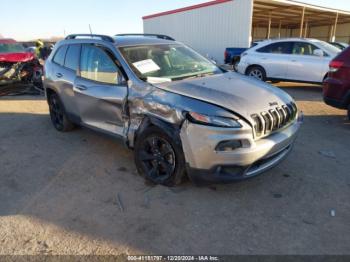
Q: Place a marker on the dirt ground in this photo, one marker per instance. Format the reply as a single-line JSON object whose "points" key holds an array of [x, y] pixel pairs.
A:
{"points": [[79, 193]]}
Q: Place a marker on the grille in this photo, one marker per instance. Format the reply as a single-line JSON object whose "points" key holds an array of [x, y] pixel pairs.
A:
{"points": [[276, 118]]}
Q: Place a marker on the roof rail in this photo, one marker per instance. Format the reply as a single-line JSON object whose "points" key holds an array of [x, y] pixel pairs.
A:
{"points": [[102, 37], [165, 37]]}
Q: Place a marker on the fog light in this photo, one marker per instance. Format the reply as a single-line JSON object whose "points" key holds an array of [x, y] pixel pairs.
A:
{"points": [[229, 145]]}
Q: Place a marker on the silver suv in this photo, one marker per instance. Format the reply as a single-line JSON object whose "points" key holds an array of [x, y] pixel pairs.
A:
{"points": [[178, 111]]}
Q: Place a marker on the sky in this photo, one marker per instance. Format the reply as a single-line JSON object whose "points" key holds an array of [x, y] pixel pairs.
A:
{"points": [[28, 20]]}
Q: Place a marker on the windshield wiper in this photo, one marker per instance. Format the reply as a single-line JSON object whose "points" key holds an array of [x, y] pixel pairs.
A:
{"points": [[198, 76]]}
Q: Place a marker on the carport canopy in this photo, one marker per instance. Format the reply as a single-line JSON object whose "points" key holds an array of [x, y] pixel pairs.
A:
{"points": [[294, 15]]}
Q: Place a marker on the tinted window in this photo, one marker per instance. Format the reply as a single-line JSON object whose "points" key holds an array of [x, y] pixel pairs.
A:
{"points": [[97, 65], [72, 57], [60, 54], [276, 48], [302, 48]]}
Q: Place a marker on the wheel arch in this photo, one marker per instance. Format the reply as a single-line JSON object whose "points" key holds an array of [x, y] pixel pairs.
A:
{"points": [[172, 130], [253, 65]]}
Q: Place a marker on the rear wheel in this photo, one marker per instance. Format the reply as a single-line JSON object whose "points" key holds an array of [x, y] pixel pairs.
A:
{"points": [[159, 158], [257, 72], [57, 114]]}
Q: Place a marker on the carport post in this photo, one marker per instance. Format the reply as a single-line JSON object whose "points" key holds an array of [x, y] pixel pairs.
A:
{"points": [[269, 29], [302, 23], [279, 29], [306, 28], [335, 28]]}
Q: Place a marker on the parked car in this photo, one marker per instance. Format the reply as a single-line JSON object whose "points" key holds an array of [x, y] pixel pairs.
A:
{"points": [[340, 45], [336, 87], [293, 59], [233, 54], [17, 67], [177, 110]]}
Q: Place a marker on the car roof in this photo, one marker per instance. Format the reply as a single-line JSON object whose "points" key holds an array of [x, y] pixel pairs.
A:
{"points": [[118, 40], [140, 40], [276, 40]]}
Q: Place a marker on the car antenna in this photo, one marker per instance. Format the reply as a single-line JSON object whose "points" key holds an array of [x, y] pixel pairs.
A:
{"points": [[90, 29]]}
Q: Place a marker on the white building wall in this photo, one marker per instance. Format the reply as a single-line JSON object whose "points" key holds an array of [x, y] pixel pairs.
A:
{"points": [[208, 30]]}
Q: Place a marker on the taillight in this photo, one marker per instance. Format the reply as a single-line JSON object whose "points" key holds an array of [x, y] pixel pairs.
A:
{"points": [[334, 66], [226, 54]]}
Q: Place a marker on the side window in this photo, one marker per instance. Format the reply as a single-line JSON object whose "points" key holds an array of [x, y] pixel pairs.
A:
{"points": [[276, 48], [72, 57], [303, 48], [60, 55], [98, 66]]}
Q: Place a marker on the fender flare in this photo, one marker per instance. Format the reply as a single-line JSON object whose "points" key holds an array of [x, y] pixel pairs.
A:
{"points": [[172, 130]]}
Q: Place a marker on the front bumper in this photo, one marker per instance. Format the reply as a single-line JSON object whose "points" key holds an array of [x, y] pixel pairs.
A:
{"points": [[204, 163]]}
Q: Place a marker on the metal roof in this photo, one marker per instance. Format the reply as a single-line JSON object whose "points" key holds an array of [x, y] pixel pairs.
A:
{"points": [[288, 13]]}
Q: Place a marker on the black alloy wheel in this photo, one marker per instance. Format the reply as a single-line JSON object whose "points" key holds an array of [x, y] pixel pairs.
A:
{"points": [[159, 158]]}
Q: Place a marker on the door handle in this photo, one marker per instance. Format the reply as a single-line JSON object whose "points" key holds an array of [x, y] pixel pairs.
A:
{"points": [[81, 87], [59, 75]]}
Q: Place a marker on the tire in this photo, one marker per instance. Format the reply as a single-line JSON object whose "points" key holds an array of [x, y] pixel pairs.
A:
{"points": [[58, 116], [235, 61], [257, 72], [159, 158], [349, 112]]}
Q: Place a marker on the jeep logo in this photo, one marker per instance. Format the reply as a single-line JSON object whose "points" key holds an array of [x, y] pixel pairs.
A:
{"points": [[273, 104]]}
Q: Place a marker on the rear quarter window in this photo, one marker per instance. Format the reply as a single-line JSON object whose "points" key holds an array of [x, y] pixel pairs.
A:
{"points": [[72, 57], [60, 55]]}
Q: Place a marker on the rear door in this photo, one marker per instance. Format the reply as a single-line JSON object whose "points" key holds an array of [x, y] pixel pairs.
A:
{"points": [[304, 65], [101, 90], [63, 72], [274, 59]]}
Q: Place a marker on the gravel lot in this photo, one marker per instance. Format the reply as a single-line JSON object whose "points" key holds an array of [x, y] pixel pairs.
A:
{"points": [[79, 193]]}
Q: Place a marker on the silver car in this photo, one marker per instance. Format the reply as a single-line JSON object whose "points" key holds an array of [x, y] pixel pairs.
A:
{"points": [[289, 59], [179, 112]]}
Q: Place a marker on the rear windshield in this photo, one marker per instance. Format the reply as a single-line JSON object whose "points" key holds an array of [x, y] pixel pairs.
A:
{"points": [[330, 49], [11, 48]]}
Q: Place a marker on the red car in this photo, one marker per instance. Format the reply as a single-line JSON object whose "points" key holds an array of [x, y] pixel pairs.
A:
{"points": [[336, 87], [17, 67]]}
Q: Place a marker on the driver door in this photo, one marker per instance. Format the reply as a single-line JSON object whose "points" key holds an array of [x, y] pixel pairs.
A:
{"points": [[100, 90]]}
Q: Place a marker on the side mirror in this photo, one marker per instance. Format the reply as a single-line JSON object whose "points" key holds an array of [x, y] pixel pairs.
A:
{"points": [[318, 52]]}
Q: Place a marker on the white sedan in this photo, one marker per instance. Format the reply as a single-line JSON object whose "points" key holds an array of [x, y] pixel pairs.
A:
{"points": [[292, 59]]}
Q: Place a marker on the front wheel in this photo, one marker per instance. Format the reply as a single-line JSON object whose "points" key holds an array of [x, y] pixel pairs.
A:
{"points": [[159, 158], [257, 72]]}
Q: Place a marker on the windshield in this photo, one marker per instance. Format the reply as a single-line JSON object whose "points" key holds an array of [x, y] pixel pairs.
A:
{"points": [[330, 49], [11, 48], [166, 63]]}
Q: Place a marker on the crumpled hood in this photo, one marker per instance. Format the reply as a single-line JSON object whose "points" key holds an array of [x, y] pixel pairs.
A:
{"points": [[240, 94], [16, 57]]}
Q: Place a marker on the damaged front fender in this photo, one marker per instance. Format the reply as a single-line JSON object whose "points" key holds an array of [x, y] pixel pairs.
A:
{"points": [[166, 110]]}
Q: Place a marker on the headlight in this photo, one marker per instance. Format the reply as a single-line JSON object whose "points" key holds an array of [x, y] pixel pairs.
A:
{"points": [[213, 120]]}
